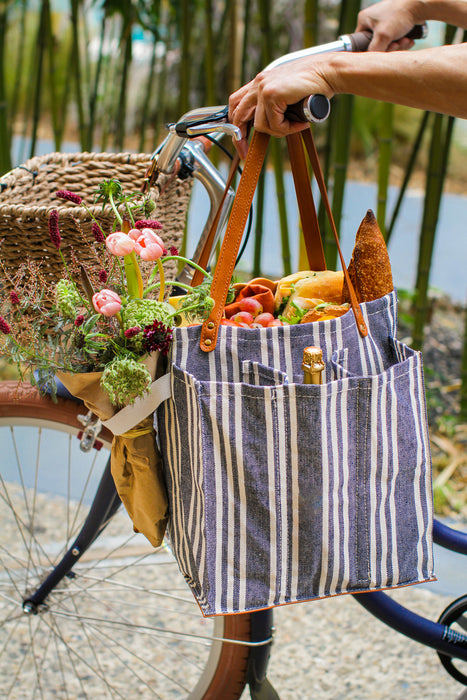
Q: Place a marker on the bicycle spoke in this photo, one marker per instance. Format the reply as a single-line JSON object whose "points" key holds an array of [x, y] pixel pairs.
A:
{"points": [[119, 606], [122, 623]]}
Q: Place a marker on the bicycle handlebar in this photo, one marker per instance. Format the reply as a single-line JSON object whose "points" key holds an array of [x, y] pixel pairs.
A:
{"points": [[183, 141]]}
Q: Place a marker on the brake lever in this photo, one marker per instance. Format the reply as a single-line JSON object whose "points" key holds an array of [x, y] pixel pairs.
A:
{"points": [[205, 128]]}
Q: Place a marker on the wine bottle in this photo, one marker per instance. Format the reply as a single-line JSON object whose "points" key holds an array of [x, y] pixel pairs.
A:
{"points": [[312, 365]]}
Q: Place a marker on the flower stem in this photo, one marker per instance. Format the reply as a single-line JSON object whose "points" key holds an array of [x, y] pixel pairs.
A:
{"points": [[134, 279], [182, 259], [115, 210], [168, 283], [160, 268]]}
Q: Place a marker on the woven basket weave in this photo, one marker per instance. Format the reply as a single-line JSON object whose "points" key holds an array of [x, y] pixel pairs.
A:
{"points": [[27, 196]]}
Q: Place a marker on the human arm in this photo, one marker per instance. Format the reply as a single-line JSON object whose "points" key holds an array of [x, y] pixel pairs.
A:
{"points": [[433, 79]]}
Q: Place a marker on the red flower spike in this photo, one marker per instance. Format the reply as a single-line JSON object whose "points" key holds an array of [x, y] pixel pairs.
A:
{"points": [[14, 298], [79, 320], [4, 327], [69, 196], [103, 276], [97, 233], [131, 332], [173, 250], [148, 223], [54, 230]]}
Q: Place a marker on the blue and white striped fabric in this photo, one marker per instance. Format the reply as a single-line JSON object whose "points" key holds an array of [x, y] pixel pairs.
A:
{"points": [[281, 492]]}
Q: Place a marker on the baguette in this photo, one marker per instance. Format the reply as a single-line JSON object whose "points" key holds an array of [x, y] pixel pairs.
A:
{"points": [[369, 268]]}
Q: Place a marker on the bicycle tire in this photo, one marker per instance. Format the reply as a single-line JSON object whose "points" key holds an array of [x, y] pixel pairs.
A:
{"points": [[121, 585]]}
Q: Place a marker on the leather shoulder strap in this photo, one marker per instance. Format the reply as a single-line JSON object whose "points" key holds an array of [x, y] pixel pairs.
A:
{"points": [[233, 237], [306, 205], [315, 164]]}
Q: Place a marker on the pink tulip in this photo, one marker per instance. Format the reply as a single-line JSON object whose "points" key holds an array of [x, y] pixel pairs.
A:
{"points": [[148, 244], [106, 302], [119, 243]]}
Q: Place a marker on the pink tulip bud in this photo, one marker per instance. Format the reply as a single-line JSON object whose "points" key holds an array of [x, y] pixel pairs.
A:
{"points": [[119, 243], [106, 302], [148, 244]]}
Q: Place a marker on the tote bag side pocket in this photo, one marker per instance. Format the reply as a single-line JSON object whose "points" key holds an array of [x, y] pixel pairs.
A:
{"points": [[399, 486], [178, 423]]}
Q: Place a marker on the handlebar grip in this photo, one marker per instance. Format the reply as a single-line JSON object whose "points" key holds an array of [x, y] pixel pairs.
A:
{"points": [[314, 108], [361, 40]]}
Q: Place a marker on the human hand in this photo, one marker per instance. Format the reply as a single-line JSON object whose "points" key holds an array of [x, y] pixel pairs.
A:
{"points": [[264, 100], [390, 21]]}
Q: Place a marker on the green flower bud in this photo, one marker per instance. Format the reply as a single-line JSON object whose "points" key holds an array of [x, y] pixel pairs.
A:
{"points": [[67, 298], [124, 380]]}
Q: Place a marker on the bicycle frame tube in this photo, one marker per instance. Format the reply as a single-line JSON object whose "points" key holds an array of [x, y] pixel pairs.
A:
{"points": [[408, 623], [214, 184], [451, 539]]}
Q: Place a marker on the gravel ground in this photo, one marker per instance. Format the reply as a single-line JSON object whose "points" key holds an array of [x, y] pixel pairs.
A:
{"points": [[336, 650]]}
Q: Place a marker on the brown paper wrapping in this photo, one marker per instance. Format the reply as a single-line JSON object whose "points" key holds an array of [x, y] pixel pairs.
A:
{"points": [[135, 461]]}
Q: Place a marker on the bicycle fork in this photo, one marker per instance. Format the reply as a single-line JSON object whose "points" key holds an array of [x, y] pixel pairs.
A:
{"points": [[105, 504]]}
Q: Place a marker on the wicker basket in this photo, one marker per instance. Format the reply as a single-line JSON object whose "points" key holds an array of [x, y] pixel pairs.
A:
{"points": [[27, 195]]}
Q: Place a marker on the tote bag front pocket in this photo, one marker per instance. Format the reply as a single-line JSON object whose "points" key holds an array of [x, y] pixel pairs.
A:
{"points": [[282, 492]]}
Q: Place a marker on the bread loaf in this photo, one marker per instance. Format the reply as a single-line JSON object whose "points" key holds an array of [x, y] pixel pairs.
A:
{"points": [[323, 312], [323, 284], [369, 268]]}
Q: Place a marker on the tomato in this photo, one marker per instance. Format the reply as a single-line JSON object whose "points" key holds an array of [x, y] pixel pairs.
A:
{"points": [[264, 319], [243, 317], [251, 305]]}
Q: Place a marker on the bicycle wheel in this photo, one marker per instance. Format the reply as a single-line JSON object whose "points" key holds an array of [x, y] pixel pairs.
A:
{"points": [[122, 623]]}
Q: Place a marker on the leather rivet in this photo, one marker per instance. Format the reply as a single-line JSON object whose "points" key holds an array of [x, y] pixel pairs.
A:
{"points": [[211, 325], [208, 341]]}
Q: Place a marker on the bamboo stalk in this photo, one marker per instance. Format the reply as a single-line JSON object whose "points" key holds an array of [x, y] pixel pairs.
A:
{"points": [[93, 97], [57, 131], [277, 153], [185, 63], [341, 131], [38, 72], [126, 42], [161, 92], [276, 149], [408, 172], [247, 14], [436, 172], [18, 70], [234, 47], [209, 55], [110, 86], [259, 223], [83, 131], [386, 124], [5, 141], [342, 136], [147, 96], [437, 166], [310, 38]]}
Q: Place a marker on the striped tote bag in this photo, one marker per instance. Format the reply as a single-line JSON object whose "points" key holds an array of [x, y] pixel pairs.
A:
{"points": [[282, 492]]}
